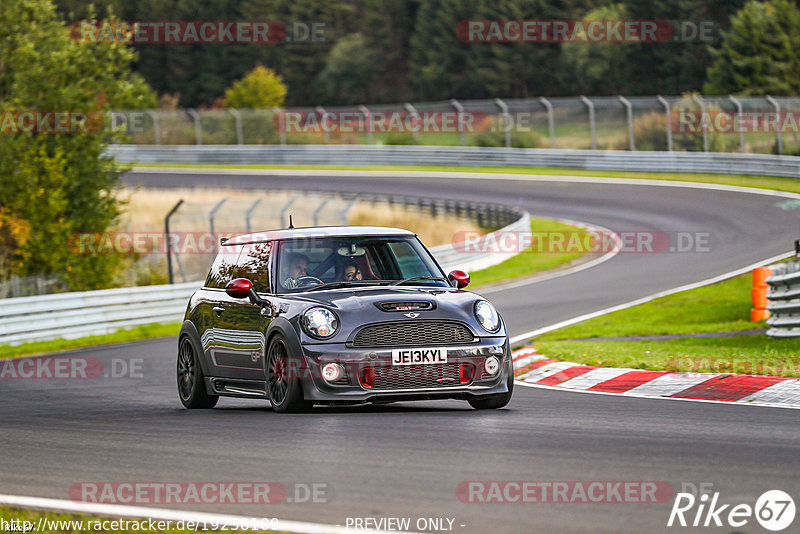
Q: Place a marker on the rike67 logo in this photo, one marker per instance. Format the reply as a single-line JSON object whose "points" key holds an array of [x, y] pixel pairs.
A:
{"points": [[774, 510]]}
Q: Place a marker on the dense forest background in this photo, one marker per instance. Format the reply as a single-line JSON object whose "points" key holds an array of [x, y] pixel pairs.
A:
{"points": [[378, 51]]}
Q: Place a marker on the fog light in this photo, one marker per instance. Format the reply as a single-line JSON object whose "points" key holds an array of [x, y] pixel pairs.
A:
{"points": [[367, 377], [492, 365], [331, 372]]}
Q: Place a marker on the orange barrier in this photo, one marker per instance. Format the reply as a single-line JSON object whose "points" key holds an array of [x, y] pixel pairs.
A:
{"points": [[759, 311]]}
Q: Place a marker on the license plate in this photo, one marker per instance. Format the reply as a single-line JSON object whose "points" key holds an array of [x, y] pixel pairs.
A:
{"points": [[419, 356]]}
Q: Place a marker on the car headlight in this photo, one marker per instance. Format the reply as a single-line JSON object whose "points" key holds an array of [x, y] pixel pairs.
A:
{"points": [[319, 322], [487, 316]]}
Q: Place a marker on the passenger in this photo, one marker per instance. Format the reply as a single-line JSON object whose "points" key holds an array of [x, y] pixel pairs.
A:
{"points": [[351, 272]]}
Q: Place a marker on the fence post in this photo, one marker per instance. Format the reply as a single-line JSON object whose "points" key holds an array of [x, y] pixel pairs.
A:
{"points": [[506, 120], [239, 132], [666, 111], [365, 111], [459, 109], [198, 132], [211, 221], [250, 212], [413, 111], [156, 126], [778, 128], [325, 132], [702, 103], [740, 111], [551, 120], [281, 124], [629, 110], [169, 243], [346, 211], [590, 105], [319, 210]]}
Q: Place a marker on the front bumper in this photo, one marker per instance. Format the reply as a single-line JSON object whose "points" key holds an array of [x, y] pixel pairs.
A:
{"points": [[403, 382]]}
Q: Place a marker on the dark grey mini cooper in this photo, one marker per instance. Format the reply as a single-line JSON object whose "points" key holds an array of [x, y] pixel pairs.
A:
{"points": [[337, 315]]}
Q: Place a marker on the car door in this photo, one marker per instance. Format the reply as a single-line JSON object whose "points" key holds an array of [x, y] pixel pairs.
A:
{"points": [[239, 325]]}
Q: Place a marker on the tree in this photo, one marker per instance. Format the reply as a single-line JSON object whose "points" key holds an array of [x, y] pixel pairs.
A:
{"points": [[348, 72], [261, 88], [761, 52], [55, 186]]}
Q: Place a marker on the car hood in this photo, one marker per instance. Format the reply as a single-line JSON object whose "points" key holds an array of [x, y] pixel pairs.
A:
{"points": [[358, 306]]}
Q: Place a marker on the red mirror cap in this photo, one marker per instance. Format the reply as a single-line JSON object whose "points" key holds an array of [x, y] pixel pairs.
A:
{"points": [[239, 288], [460, 277]]}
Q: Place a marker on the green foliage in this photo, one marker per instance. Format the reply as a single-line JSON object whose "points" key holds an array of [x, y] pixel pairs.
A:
{"points": [[348, 73], [761, 53], [57, 185], [399, 138], [519, 139], [261, 88]]}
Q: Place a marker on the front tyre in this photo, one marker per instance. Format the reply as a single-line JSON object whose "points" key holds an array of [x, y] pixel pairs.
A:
{"points": [[497, 401], [284, 389], [191, 382]]}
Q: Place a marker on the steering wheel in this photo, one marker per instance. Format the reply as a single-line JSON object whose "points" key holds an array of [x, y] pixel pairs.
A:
{"points": [[306, 281]]}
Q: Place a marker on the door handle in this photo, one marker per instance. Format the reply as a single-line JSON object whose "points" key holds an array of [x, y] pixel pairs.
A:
{"points": [[218, 309]]}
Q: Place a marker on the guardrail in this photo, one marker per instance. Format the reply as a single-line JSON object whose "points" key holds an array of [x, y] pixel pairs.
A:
{"points": [[77, 314], [784, 300], [618, 160]]}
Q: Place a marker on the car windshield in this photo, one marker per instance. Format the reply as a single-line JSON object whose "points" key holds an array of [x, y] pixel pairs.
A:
{"points": [[309, 263]]}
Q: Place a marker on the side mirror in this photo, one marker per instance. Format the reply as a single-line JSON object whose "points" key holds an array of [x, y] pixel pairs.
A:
{"points": [[458, 279], [239, 288]]}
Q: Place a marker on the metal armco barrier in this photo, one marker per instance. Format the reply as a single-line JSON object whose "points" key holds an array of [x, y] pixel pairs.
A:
{"points": [[467, 156], [86, 313], [784, 300]]}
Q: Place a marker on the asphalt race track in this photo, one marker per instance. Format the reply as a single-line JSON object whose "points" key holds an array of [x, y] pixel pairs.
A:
{"points": [[406, 460]]}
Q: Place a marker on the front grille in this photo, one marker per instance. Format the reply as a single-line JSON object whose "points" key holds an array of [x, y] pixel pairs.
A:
{"points": [[409, 333], [416, 376], [405, 306]]}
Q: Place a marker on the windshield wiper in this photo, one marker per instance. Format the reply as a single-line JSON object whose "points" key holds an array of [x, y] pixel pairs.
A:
{"points": [[401, 282]]}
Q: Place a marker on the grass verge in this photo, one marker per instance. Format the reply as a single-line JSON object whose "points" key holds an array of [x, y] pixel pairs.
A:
{"points": [[74, 523], [137, 333], [721, 307], [764, 182]]}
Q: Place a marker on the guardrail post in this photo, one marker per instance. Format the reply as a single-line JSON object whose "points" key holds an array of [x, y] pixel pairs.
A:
{"points": [[368, 116], [325, 132], [459, 109], [285, 210], [281, 124], [629, 111], [198, 132], [740, 111], [666, 114], [506, 120], [169, 241], [249, 212], [551, 120], [590, 105], [211, 221], [702, 103], [778, 129], [238, 118], [415, 118], [156, 126]]}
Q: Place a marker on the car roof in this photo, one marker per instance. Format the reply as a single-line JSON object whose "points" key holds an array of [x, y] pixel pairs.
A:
{"points": [[318, 231]]}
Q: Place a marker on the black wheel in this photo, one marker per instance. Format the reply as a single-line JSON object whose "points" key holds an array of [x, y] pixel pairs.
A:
{"points": [[284, 388], [496, 401], [191, 382]]}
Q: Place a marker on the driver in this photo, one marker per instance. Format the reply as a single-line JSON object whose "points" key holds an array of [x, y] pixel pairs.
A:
{"points": [[296, 266]]}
